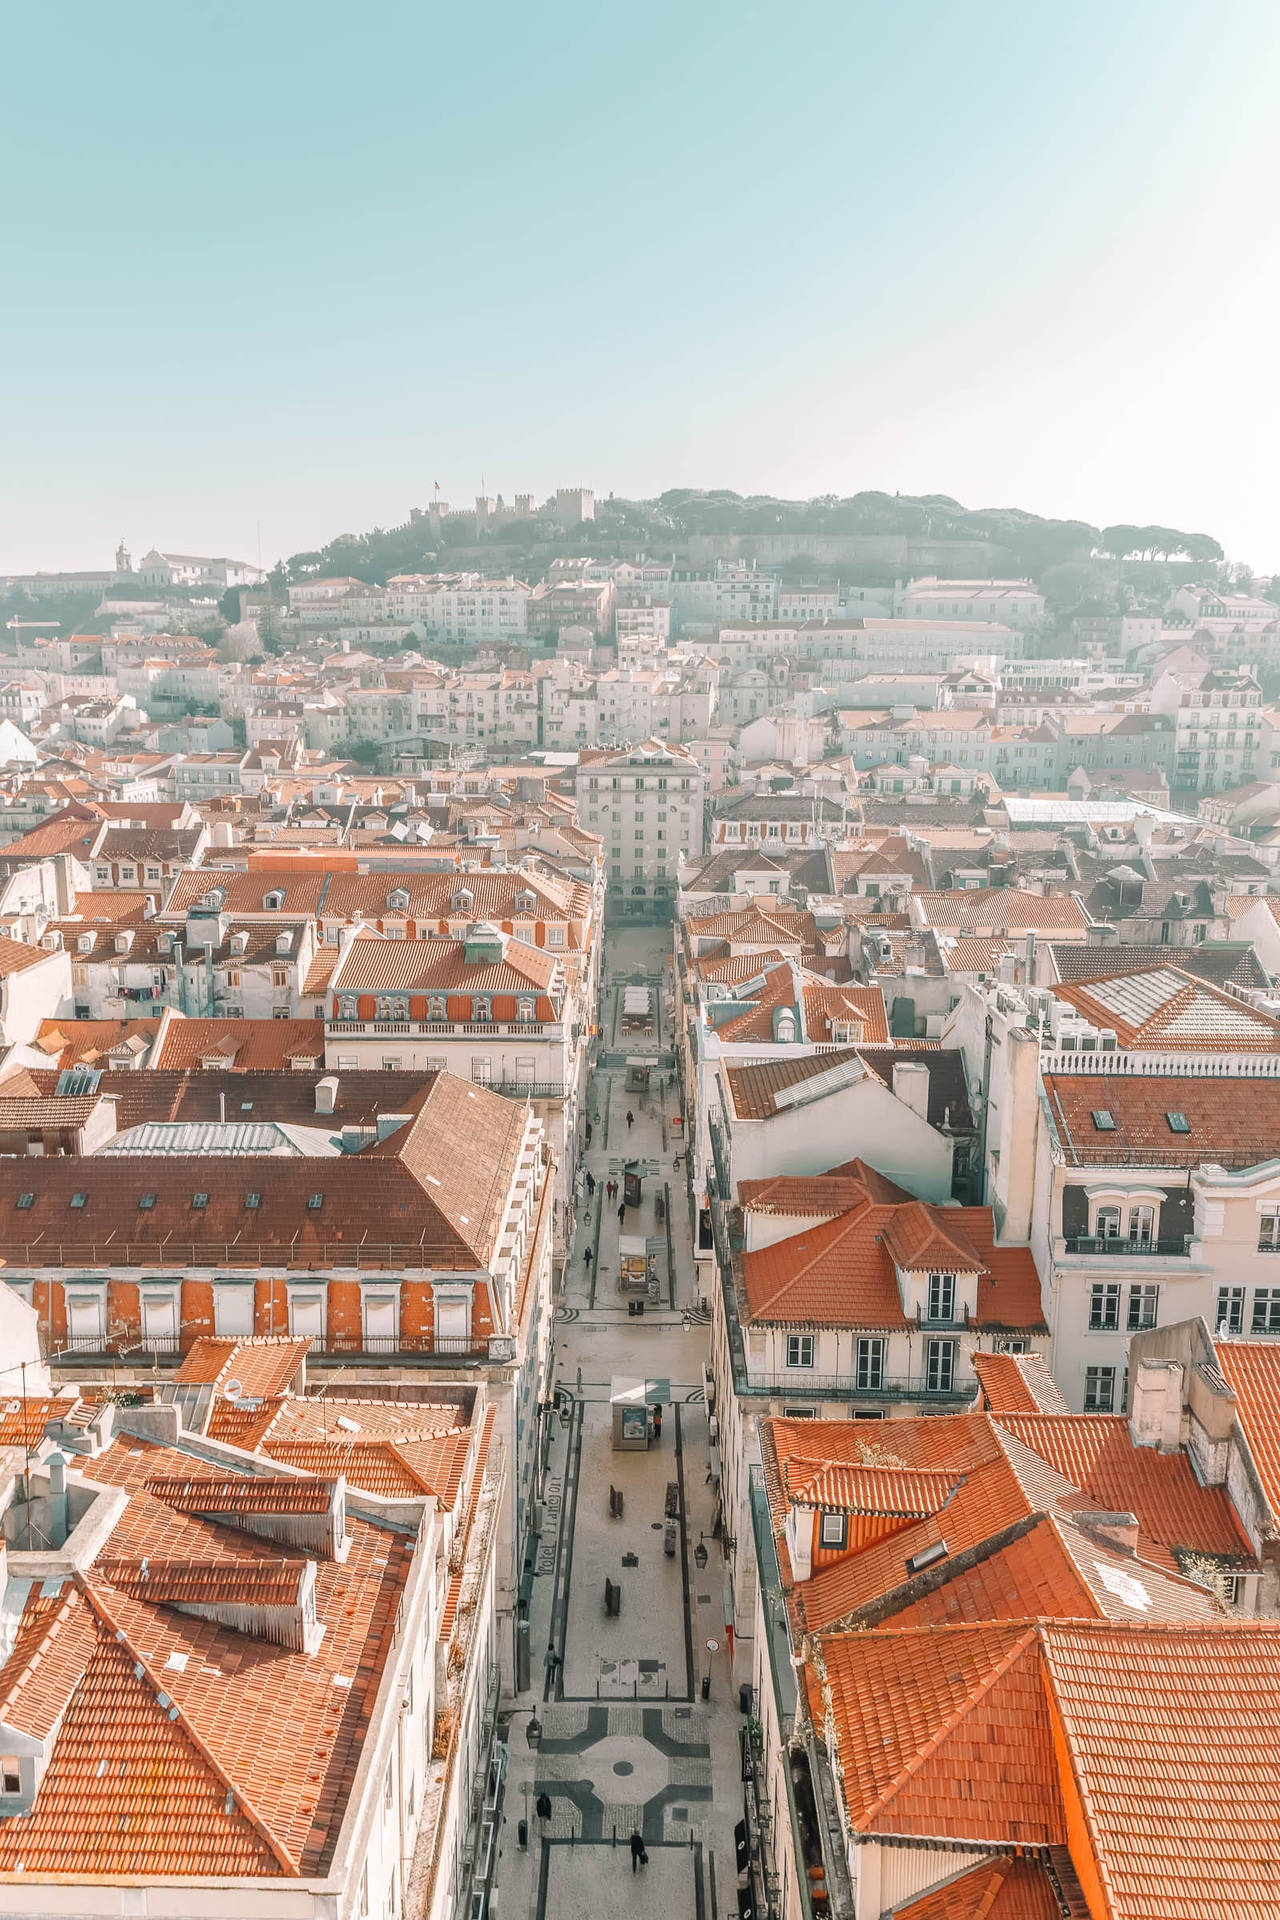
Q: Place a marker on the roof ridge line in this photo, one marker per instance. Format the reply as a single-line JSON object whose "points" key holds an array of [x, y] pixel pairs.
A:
{"points": [[1027, 1637], [99, 1607], [1062, 1724]]}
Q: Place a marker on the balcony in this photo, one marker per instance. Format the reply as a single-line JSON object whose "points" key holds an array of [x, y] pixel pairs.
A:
{"points": [[948, 1323], [801, 1383], [404, 1347], [1122, 1247]]}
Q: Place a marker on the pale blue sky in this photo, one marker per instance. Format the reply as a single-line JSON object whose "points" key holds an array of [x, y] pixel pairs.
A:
{"points": [[288, 264]]}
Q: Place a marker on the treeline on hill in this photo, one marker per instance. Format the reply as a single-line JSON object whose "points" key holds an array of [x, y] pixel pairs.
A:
{"points": [[1029, 544]]}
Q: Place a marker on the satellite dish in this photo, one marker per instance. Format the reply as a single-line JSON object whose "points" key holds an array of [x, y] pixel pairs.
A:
{"points": [[232, 1390]]}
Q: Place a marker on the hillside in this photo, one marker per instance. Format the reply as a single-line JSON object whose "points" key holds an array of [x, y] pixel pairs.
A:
{"points": [[865, 536]]}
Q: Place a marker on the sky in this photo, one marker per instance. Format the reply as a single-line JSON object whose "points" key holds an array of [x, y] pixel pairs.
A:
{"points": [[272, 270]]}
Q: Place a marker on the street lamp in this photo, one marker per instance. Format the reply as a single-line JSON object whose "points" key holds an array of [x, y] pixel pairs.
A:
{"points": [[713, 1647]]}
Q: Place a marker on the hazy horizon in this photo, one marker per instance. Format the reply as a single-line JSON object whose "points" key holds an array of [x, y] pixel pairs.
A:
{"points": [[285, 268]]}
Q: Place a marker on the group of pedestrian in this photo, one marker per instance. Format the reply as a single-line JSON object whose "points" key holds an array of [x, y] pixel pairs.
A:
{"points": [[611, 1191]]}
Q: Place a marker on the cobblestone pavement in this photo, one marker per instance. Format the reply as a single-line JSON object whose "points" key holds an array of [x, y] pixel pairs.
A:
{"points": [[628, 1744]]}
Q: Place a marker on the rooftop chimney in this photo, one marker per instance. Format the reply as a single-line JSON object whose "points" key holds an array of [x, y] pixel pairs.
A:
{"points": [[911, 1086], [1118, 1530]]}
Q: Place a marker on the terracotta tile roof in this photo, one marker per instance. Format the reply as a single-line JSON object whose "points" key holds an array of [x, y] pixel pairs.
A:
{"points": [[413, 1190], [1252, 1371], [1172, 1737], [1004, 1888], [999, 910], [749, 926], [904, 1492], [161, 1765], [244, 893], [383, 965], [240, 1493], [1218, 961], [841, 1272], [70, 1041], [1054, 1569], [825, 1004], [248, 1046], [16, 955], [920, 1237], [1224, 1124], [819, 1194], [972, 953], [944, 1732], [263, 1366], [834, 1274], [753, 1087], [1165, 1007], [1095, 1451], [1017, 1383]]}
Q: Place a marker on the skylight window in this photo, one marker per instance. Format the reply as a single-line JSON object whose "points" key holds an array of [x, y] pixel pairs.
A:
{"points": [[79, 1199], [252, 1200], [926, 1556], [1178, 1123], [1104, 1121], [26, 1200], [199, 1201], [145, 1202], [314, 1202]]}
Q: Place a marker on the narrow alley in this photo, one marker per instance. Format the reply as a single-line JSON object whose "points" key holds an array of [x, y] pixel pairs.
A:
{"points": [[615, 1731]]}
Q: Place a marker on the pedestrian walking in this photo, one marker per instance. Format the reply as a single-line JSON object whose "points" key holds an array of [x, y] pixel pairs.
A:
{"points": [[631, 1119], [586, 1258], [542, 1806], [639, 1858], [622, 1213], [588, 1133], [591, 1183], [612, 1190]]}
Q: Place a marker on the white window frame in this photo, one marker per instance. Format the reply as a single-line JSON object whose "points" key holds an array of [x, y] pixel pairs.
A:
{"points": [[801, 1350]]}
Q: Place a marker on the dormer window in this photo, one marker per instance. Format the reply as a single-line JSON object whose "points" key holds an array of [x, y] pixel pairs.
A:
{"points": [[348, 1006], [525, 1008], [437, 1006], [273, 901], [525, 902], [482, 1007], [833, 1530], [463, 900], [398, 900], [391, 1006], [85, 943]]}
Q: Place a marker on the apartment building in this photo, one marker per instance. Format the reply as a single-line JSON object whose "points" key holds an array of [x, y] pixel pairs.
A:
{"points": [[336, 1208], [1009, 603], [1217, 719], [722, 595], [943, 1621], [646, 804], [489, 1007]]}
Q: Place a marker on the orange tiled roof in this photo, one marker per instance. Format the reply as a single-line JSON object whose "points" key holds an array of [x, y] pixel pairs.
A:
{"points": [[1096, 1453], [1252, 1370], [1054, 1569], [263, 1366], [1172, 1735], [161, 1765], [959, 1741], [1165, 1007], [1004, 1888], [1017, 1383]]}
